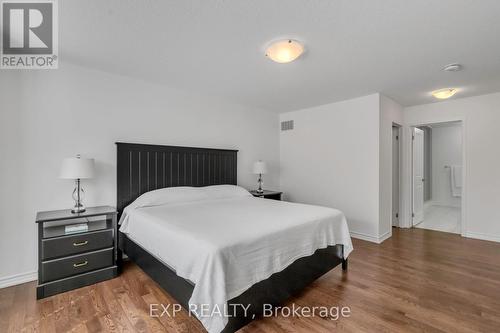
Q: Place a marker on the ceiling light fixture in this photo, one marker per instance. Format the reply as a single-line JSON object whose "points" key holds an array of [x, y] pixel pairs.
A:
{"points": [[284, 51], [453, 68], [444, 93]]}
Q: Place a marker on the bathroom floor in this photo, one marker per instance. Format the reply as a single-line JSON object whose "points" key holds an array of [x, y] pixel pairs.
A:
{"points": [[441, 218]]}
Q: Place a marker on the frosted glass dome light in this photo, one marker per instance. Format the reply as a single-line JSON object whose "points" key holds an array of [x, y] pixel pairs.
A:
{"points": [[284, 51]]}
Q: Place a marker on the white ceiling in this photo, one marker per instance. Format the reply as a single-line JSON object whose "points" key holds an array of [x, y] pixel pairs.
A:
{"points": [[354, 47]]}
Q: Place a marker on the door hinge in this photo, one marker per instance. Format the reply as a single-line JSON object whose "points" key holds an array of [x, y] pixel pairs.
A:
{"points": [[413, 137], [397, 215], [412, 214], [397, 137]]}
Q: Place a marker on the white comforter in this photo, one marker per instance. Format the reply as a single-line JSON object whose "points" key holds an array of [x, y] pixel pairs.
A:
{"points": [[224, 246]]}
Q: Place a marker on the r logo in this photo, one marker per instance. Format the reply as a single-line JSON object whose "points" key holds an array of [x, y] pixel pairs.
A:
{"points": [[29, 34], [27, 27]]}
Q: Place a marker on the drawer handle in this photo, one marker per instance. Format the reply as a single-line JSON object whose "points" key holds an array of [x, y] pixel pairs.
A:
{"points": [[80, 264], [81, 243]]}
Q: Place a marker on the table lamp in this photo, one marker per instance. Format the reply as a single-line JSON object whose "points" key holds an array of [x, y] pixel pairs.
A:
{"points": [[260, 168], [77, 168]]}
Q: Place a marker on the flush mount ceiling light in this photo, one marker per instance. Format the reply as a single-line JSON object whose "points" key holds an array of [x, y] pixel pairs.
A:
{"points": [[284, 51], [444, 93], [453, 67]]}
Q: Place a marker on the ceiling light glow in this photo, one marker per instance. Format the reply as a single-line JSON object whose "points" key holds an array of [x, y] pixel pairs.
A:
{"points": [[444, 93], [284, 51]]}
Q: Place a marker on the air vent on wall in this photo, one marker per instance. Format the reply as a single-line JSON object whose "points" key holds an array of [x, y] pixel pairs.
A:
{"points": [[287, 125]]}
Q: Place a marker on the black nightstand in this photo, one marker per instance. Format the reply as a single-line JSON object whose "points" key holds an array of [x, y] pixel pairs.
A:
{"points": [[72, 260], [275, 195]]}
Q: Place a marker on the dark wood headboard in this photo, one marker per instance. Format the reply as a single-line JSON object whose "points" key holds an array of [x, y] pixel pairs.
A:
{"points": [[142, 168]]}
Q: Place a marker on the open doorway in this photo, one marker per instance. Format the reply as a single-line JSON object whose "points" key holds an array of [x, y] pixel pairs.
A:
{"points": [[437, 160]]}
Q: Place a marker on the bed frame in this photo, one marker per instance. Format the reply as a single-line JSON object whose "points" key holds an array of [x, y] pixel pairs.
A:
{"points": [[142, 168]]}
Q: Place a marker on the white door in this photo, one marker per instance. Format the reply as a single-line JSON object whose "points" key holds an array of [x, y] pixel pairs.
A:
{"points": [[418, 176], [395, 176]]}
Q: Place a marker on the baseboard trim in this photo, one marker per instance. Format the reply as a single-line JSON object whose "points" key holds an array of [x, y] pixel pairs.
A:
{"points": [[370, 238], [486, 237], [9, 281], [385, 236], [443, 204]]}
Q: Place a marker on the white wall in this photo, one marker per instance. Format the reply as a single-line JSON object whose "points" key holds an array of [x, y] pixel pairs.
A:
{"points": [[48, 115], [331, 158], [15, 235], [390, 113], [481, 136], [340, 155], [446, 151]]}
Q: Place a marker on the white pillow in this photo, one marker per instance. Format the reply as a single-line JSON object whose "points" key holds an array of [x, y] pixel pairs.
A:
{"points": [[225, 191], [169, 195]]}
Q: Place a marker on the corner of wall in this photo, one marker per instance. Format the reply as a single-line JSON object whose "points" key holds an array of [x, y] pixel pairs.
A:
{"points": [[390, 112]]}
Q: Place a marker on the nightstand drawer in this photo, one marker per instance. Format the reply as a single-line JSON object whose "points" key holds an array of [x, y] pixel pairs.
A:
{"points": [[64, 267], [68, 245]]}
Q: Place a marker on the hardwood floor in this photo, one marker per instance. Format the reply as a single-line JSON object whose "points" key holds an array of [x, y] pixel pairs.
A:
{"points": [[419, 280]]}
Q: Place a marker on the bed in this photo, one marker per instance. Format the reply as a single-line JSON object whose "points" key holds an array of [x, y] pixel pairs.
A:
{"points": [[209, 242]]}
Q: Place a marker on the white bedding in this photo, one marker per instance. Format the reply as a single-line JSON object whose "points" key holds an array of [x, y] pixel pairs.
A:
{"points": [[226, 245]]}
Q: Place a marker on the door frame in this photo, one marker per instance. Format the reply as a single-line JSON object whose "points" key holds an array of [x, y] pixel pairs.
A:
{"points": [[400, 174], [407, 220], [414, 215]]}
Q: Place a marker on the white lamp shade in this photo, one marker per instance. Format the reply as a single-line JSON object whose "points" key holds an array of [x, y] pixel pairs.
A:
{"points": [[77, 168], [259, 167]]}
